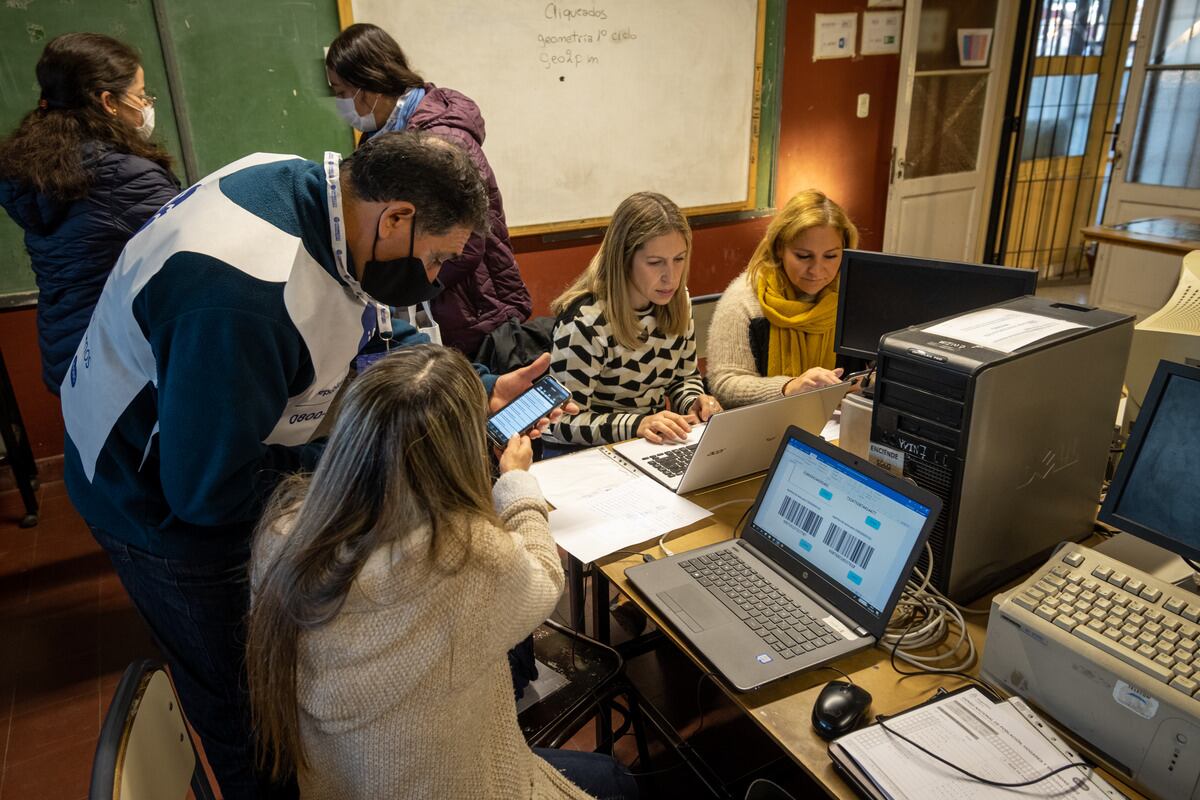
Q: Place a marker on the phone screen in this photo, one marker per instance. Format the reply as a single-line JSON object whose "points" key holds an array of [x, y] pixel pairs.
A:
{"points": [[519, 415]]}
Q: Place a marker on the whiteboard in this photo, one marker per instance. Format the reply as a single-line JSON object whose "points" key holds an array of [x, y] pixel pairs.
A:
{"points": [[587, 102]]}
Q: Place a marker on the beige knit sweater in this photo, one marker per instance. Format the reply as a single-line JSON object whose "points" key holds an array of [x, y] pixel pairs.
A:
{"points": [[731, 371], [407, 692]]}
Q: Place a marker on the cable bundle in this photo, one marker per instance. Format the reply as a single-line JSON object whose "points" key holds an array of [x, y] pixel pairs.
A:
{"points": [[925, 618]]}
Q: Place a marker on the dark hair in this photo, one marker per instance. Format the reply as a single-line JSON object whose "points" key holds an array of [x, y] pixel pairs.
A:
{"points": [[367, 57], [407, 451], [434, 174], [46, 149]]}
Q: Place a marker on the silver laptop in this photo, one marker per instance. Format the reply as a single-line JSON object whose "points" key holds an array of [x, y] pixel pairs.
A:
{"points": [[818, 571], [732, 443]]}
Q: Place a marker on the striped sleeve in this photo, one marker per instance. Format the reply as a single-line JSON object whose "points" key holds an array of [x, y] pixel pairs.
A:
{"points": [[688, 385], [577, 360]]}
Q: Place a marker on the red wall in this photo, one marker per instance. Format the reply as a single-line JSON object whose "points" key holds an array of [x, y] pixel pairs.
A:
{"points": [[821, 144]]}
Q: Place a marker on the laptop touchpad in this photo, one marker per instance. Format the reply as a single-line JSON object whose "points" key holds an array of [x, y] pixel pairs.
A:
{"points": [[697, 608]]}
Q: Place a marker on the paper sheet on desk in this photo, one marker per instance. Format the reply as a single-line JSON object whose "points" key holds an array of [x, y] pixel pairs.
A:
{"points": [[617, 517], [566, 479], [999, 741], [1001, 329]]}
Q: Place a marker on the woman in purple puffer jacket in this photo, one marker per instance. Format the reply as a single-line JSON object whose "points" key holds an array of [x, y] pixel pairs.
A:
{"points": [[377, 92]]}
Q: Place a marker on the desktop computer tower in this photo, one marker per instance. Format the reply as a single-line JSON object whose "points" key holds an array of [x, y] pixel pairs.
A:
{"points": [[1014, 443]]}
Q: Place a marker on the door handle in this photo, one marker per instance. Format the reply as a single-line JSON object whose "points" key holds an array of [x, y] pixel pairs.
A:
{"points": [[897, 167]]}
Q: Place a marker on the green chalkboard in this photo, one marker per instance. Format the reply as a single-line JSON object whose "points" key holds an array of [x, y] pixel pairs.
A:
{"points": [[252, 77], [232, 78], [25, 27]]}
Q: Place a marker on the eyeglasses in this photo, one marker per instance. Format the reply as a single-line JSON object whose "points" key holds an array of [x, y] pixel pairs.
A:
{"points": [[147, 99]]}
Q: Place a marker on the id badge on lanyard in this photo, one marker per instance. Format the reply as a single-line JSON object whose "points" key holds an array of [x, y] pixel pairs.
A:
{"points": [[337, 236], [433, 331]]}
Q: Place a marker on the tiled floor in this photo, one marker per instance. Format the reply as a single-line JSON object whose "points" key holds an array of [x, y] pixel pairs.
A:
{"points": [[67, 631]]}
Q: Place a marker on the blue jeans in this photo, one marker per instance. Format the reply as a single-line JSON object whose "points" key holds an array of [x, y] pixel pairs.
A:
{"points": [[597, 774], [196, 610]]}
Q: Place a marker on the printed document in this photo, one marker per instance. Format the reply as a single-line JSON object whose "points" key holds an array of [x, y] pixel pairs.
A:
{"points": [[1001, 329]]}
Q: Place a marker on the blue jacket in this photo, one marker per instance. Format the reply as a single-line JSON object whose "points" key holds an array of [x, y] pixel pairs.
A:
{"points": [[73, 245], [215, 350]]}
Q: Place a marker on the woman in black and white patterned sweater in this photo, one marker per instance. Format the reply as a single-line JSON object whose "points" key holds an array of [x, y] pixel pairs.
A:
{"points": [[624, 344]]}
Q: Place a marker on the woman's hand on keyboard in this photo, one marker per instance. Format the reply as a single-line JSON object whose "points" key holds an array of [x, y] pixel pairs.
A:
{"points": [[704, 407], [665, 426], [814, 378]]}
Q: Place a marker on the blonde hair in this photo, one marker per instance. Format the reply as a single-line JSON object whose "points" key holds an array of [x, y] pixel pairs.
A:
{"points": [[640, 218], [407, 450], [807, 209]]}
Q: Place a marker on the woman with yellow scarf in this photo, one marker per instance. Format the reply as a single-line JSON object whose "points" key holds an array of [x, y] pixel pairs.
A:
{"points": [[772, 330]]}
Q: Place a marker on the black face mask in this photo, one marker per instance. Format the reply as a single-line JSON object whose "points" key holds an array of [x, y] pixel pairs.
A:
{"points": [[398, 281]]}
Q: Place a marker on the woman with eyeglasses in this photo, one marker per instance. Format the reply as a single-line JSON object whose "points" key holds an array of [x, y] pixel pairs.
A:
{"points": [[376, 92], [80, 175]]}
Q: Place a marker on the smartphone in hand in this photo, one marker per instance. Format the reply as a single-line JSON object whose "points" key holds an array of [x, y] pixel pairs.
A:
{"points": [[522, 414]]}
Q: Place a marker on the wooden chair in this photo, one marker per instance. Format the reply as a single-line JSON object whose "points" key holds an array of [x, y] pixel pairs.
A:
{"points": [[145, 751]]}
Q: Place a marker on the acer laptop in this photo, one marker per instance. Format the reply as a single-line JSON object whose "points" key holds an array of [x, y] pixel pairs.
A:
{"points": [[732, 443], [816, 574]]}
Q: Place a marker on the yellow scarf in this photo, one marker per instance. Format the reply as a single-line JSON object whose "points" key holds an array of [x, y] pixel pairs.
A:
{"points": [[801, 330]]}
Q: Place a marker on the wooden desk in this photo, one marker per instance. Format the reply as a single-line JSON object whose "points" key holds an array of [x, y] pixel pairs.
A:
{"points": [[1174, 234], [783, 709]]}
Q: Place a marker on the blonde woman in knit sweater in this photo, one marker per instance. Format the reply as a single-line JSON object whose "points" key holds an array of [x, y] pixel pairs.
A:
{"points": [[388, 587], [624, 343], [772, 330]]}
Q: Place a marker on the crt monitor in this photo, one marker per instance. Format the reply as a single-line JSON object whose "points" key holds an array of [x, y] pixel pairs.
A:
{"points": [[881, 293], [1155, 494]]}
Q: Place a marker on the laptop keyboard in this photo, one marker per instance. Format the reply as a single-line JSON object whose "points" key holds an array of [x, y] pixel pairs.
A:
{"points": [[673, 463], [782, 624]]}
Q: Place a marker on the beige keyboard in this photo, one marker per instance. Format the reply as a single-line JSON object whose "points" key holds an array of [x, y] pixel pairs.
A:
{"points": [[1154, 628]]}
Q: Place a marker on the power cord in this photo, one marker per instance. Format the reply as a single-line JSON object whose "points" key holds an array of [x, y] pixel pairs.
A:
{"points": [[1008, 785], [645, 557], [662, 540], [926, 618], [924, 671]]}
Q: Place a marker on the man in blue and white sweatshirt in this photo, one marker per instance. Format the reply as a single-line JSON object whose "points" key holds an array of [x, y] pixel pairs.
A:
{"points": [[219, 341]]}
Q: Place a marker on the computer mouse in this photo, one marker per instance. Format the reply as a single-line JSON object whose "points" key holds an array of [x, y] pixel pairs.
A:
{"points": [[839, 709]]}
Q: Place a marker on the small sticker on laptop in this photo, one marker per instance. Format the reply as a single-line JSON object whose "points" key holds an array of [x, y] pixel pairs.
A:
{"points": [[763, 658], [887, 458], [836, 624], [1135, 700]]}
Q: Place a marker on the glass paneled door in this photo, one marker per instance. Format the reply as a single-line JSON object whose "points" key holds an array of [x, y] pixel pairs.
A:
{"points": [[1157, 171], [946, 122]]}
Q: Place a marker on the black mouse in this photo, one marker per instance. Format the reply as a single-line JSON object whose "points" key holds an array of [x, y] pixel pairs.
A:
{"points": [[839, 709]]}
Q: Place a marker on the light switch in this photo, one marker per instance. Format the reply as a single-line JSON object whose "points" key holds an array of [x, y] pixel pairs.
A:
{"points": [[864, 105]]}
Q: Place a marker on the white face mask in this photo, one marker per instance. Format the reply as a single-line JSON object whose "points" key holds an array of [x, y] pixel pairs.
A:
{"points": [[363, 122], [147, 127]]}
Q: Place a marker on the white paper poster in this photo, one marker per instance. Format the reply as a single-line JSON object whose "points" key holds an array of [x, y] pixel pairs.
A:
{"points": [[974, 46], [881, 32], [885, 3], [834, 36]]}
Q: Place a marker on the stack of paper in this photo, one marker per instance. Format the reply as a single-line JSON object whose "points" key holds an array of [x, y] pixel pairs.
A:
{"points": [[602, 504], [1003, 742]]}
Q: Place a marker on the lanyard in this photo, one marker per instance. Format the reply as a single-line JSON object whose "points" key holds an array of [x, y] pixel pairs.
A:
{"points": [[433, 330], [337, 234]]}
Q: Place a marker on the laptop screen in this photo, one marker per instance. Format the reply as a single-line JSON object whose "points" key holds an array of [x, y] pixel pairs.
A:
{"points": [[855, 531]]}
